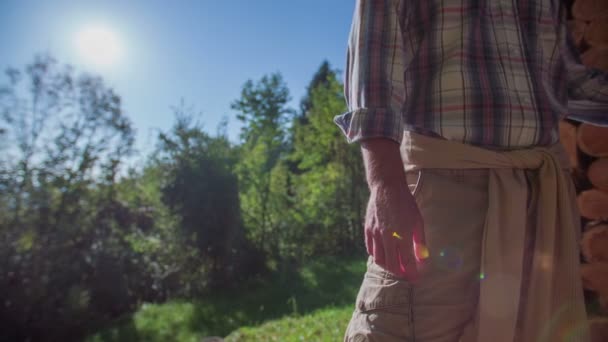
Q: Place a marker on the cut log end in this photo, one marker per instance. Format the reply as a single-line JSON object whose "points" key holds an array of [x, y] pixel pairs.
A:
{"points": [[593, 204], [595, 278], [593, 140], [598, 328], [590, 9], [598, 174], [594, 244]]}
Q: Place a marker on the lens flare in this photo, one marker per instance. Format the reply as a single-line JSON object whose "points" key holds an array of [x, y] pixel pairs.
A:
{"points": [[449, 259], [98, 46], [561, 328]]}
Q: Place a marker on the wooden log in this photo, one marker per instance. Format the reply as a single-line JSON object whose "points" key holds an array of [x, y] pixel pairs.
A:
{"points": [[577, 27], [598, 174], [595, 278], [567, 136], [598, 328], [593, 204], [594, 244], [596, 33], [590, 9], [593, 140], [596, 58]]}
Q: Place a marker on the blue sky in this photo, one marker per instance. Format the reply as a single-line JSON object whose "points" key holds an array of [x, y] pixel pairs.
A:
{"points": [[199, 51]]}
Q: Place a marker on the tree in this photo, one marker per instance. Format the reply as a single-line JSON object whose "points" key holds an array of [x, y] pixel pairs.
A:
{"points": [[64, 137], [329, 183], [321, 77], [263, 111], [199, 186]]}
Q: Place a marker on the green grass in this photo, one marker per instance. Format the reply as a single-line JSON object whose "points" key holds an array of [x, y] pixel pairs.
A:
{"points": [[324, 284], [323, 325]]}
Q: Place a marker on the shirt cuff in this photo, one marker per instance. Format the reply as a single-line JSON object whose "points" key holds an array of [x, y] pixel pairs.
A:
{"points": [[365, 123]]}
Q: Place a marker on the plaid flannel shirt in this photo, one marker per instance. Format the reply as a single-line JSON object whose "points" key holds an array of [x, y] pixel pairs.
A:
{"points": [[494, 73]]}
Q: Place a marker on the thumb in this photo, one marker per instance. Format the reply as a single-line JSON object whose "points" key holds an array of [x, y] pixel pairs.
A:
{"points": [[421, 250], [407, 266]]}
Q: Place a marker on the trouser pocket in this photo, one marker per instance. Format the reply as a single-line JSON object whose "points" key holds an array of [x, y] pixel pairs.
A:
{"points": [[383, 309]]}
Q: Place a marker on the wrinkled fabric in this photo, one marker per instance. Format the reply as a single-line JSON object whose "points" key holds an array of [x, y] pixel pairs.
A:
{"points": [[442, 301], [554, 307], [492, 73]]}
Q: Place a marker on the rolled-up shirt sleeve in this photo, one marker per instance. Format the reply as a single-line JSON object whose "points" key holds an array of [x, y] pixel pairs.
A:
{"points": [[587, 86], [374, 78]]}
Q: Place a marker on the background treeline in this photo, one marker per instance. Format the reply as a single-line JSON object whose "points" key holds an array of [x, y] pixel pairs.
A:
{"points": [[84, 239]]}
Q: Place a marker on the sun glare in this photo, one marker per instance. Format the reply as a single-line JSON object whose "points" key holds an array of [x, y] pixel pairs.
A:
{"points": [[98, 46]]}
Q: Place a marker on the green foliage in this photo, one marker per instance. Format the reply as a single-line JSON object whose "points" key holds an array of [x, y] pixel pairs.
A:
{"points": [[324, 325], [262, 176], [174, 267], [302, 187], [262, 108], [328, 181], [83, 241], [199, 187], [62, 226], [320, 78], [323, 283]]}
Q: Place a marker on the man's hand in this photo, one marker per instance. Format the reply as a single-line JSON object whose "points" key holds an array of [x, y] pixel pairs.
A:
{"points": [[394, 232]]}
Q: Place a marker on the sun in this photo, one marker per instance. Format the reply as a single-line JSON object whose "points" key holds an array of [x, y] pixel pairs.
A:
{"points": [[98, 46]]}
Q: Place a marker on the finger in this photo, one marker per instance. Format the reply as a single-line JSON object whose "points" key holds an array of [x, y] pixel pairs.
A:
{"points": [[407, 265], [418, 231], [369, 242], [405, 257], [392, 244], [419, 246], [421, 252], [392, 259], [379, 257]]}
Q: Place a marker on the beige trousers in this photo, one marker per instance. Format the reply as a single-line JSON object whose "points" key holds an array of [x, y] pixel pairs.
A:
{"points": [[442, 304], [453, 204]]}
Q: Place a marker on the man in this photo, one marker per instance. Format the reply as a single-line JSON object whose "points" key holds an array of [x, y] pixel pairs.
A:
{"points": [[471, 224]]}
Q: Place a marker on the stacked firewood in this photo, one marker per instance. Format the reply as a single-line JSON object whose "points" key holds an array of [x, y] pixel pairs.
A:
{"points": [[587, 147], [590, 31]]}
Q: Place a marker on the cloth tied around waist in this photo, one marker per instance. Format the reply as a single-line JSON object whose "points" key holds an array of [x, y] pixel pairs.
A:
{"points": [[554, 309]]}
